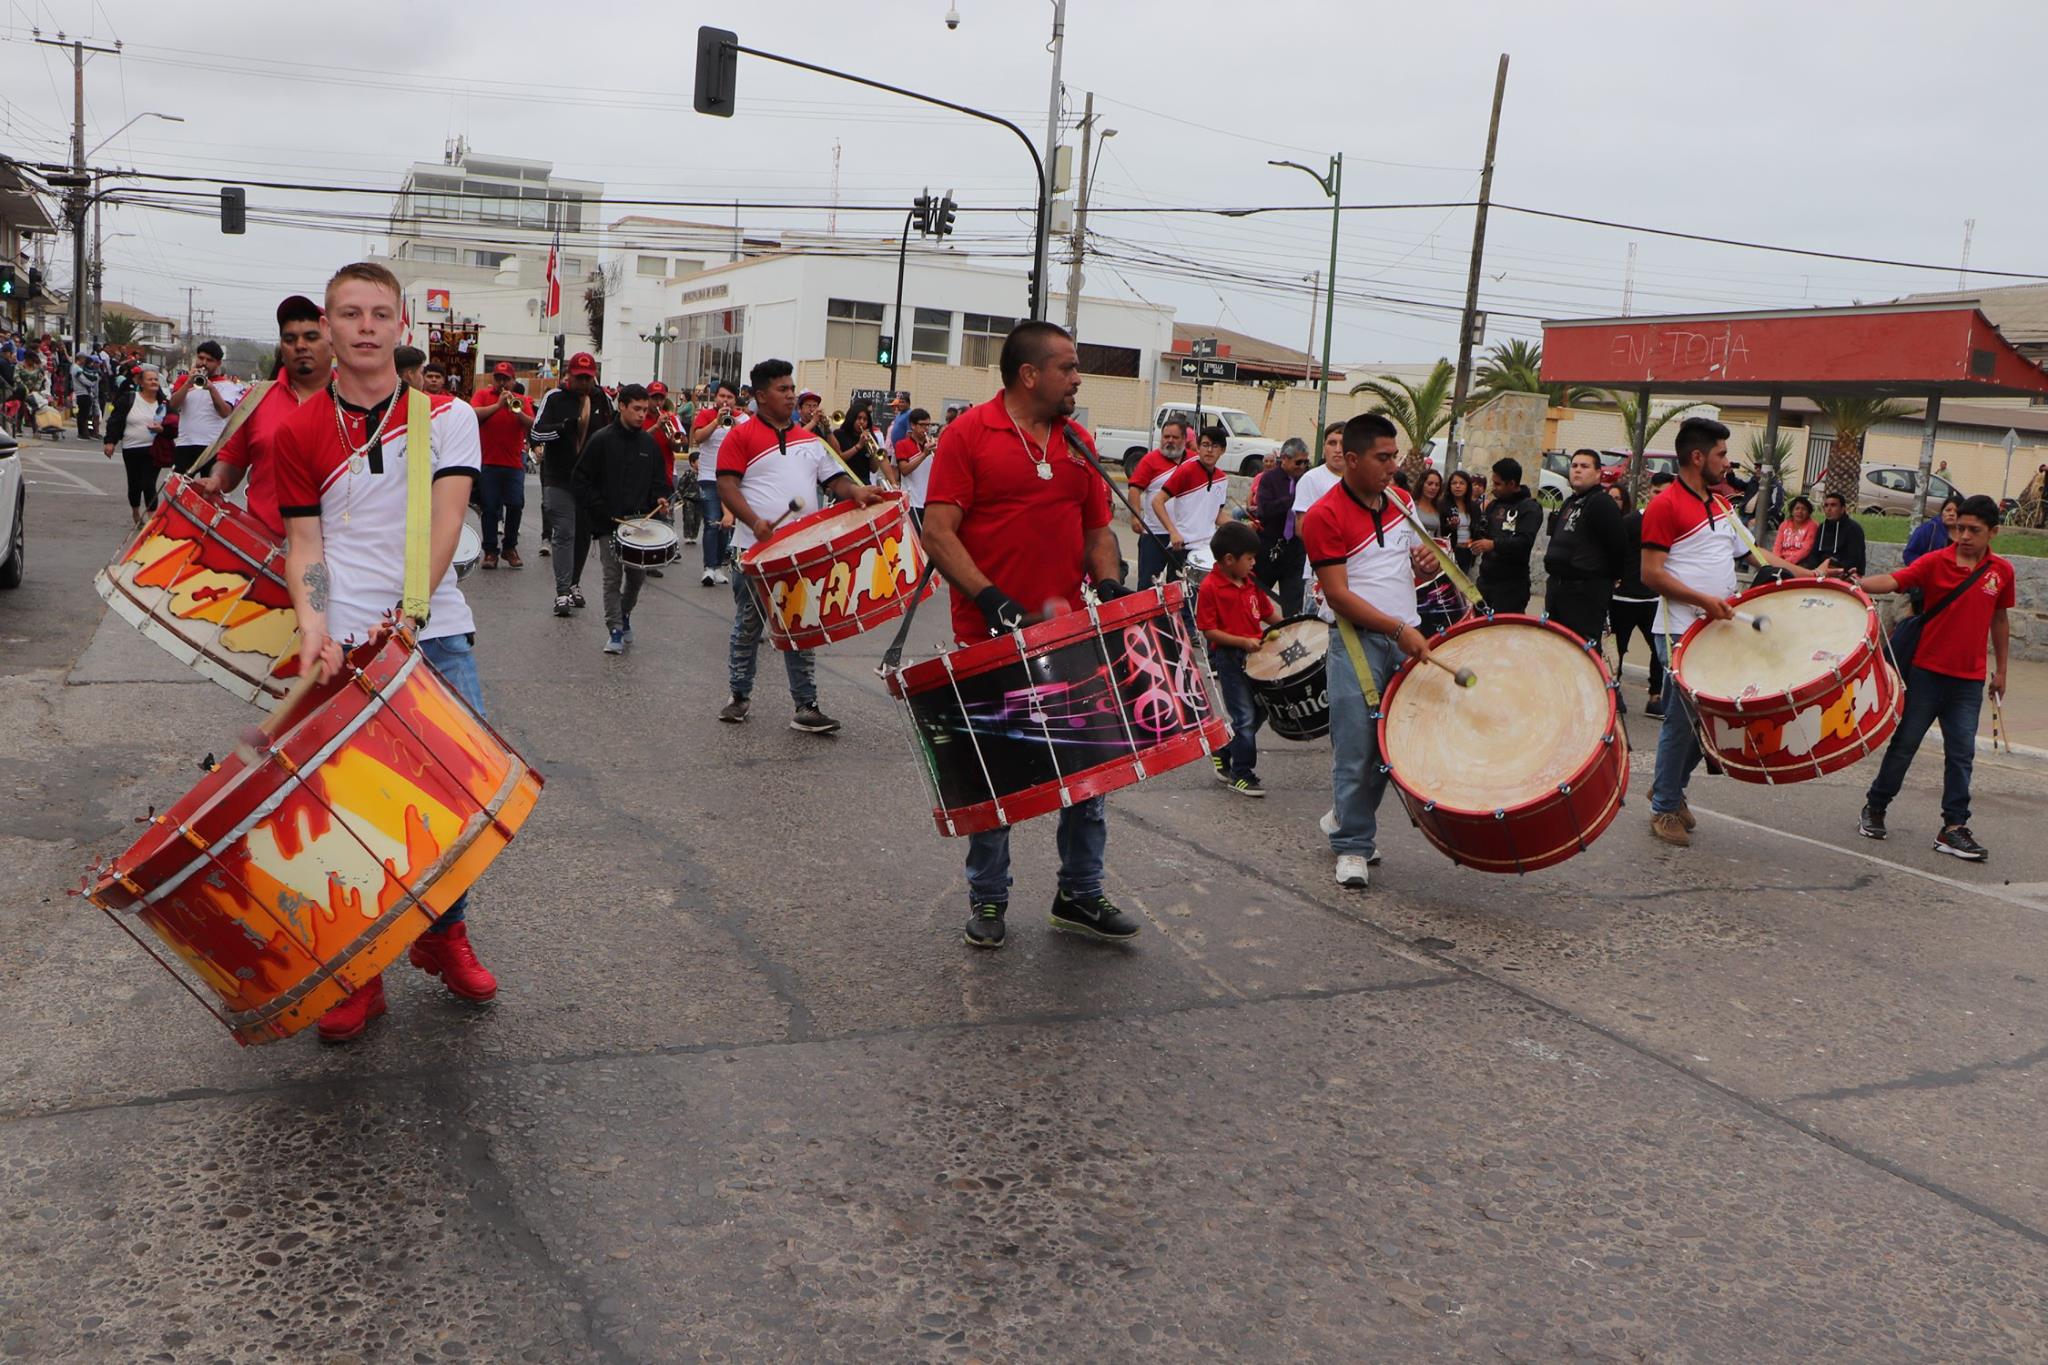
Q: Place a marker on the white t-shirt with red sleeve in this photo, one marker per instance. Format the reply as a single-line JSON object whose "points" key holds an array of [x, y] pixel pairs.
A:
{"points": [[1146, 478], [1701, 542], [707, 452], [1027, 533], [1373, 545], [776, 467], [1194, 496], [361, 504]]}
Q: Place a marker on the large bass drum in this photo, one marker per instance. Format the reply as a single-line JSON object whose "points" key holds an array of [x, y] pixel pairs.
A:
{"points": [[1061, 711]]}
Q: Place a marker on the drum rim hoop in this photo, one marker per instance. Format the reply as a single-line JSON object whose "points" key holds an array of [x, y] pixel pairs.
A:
{"points": [[1069, 627], [752, 561], [1856, 663]]}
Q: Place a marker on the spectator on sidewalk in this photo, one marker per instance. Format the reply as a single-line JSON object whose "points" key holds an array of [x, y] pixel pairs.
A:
{"points": [[1840, 538]]}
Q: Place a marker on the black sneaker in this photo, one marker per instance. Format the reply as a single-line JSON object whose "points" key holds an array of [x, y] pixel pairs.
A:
{"points": [[576, 596], [1096, 916], [1247, 785], [735, 711], [1222, 773], [563, 605], [1871, 826], [656, 573], [1957, 842], [1654, 708], [985, 925], [812, 721]]}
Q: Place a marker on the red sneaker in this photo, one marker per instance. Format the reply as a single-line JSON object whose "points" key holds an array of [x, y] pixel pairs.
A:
{"points": [[449, 956], [350, 1019]]}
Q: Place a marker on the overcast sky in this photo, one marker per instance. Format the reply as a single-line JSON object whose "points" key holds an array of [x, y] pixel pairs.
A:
{"points": [[1868, 128]]}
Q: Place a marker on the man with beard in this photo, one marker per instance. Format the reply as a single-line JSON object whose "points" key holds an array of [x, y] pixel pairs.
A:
{"points": [[305, 361]]}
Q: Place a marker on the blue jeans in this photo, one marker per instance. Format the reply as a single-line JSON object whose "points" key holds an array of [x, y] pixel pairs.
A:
{"points": [[502, 488], [1678, 741], [1241, 755], [1151, 559], [453, 656], [1357, 777], [744, 648], [1932, 697], [1083, 838], [716, 537]]}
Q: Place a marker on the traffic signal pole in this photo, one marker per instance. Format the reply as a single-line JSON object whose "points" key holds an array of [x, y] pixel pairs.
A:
{"points": [[918, 215], [75, 200]]}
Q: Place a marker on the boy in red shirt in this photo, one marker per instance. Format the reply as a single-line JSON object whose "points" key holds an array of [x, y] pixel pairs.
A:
{"points": [[1945, 680], [1231, 613]]}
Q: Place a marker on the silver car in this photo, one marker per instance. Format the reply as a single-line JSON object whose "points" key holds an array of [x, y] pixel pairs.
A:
{"points": [[1895, 489], [13, 514]]}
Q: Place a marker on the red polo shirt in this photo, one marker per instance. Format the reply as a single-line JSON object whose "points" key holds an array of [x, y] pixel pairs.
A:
{"points": [[253, 446], [1025, 532], [503, 439], [1234, 608], [1954, 643]]}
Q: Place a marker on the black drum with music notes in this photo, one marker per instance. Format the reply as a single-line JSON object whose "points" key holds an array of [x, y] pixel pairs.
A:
{"points": [[1063, 710]]}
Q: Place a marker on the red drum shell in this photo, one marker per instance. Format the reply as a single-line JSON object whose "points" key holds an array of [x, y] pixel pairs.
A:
{"points": [[1821, 725], [878, 540], [1535, 833], [1137, 653]]}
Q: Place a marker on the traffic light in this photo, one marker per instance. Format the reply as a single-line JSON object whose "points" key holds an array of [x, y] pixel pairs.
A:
{"points": [[921, 213], [561, 348], [234, 210], [942, 216], [885, 350], [718, 61], [10, 286], [35, 280]]}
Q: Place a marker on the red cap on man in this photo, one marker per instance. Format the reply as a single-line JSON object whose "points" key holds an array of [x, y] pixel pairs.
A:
{"points": [[583, 362], [503, 368], [657, 390]]}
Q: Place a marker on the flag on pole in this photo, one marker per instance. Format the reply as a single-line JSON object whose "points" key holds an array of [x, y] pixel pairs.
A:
{"points": [[551, 305], [405, 318]]}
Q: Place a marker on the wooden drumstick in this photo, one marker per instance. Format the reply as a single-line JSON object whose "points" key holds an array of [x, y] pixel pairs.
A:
{"points": [[1465, 677], [795, 506], [256, 738]]}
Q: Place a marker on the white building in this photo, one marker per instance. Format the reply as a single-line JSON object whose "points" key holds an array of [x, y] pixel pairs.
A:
{"points": [[645, 259], [470, 237], [805, 302]]}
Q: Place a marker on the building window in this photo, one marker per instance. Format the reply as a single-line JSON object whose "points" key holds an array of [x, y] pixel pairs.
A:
{"points": [[931, 335], [572, 267], [1119, 362], [981, 338], [436, 255], [489, 260], [853, 330], [655, 267], [709, 348]]}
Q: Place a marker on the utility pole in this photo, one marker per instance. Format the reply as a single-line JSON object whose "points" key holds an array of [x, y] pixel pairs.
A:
{"points": [[190, 290], [1464, 386], [1041, 248], [1315, 291], [75, 199], [99, 271], [1080, 221]]}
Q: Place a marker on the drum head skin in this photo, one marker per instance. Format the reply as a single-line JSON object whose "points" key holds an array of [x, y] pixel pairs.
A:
{"points": [[815, 534], [646, 533], [1295, 644], [1813, 631], [1539, 709]]}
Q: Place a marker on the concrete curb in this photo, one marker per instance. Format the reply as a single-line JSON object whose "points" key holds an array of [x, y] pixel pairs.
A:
{"points": [[1641, 673]]}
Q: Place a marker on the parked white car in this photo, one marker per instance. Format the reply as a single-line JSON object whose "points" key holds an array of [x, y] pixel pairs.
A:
{"points": [[13, 514], [1245, 454]]}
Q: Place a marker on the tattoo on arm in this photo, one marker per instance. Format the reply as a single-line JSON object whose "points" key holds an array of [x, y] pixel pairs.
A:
{"points": [[315, 579]]}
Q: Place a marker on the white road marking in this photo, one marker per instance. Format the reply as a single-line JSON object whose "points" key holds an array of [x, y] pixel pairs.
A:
{"points": [[47, 466], [2010, 895]]}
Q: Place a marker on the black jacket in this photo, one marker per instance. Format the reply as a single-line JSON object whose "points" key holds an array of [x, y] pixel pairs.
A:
{"points": [[1511, 524], [124, 404], [1629, 583], [1841, 541], [1588, 539], [622, 473], [554, 431]]}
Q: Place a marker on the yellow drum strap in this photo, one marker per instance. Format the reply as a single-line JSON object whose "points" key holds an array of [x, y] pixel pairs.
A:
{"points": [[1466, 588], [1355, 647], [419, 506]]}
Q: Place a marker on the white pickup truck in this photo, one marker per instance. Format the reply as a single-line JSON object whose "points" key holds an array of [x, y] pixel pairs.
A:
{"points": [[1246, 454]]}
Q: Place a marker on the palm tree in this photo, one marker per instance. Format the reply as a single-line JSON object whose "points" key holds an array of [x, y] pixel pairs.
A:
{"points": [[1419, 410], [1517, 367], [117, 329], [1632, 418], [1852, 419]]}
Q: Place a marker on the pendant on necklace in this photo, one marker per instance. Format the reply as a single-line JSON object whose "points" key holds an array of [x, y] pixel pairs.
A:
{"points": [[1044, 470]]}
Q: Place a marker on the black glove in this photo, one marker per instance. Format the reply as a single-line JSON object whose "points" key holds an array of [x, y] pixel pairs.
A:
{"points": [[1109, 589], [997, 608]]}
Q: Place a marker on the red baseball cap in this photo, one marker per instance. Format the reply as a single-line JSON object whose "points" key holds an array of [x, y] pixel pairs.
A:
{"points": [[810, 393], [503, 367], [657, 390], [583, 362]]}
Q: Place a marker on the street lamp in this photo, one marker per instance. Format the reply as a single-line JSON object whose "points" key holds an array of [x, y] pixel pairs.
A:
{"points": [[1333, 185], [660, 336], [167, 118]]}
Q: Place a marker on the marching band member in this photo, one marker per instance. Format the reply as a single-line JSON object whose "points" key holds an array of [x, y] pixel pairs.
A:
{"points": [[306, 360], [1016, 523], [502, 422], [341, 488]]}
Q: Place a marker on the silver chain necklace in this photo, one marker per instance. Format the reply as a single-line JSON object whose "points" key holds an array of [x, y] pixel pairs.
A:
{"points": [[358, 455], [1040, 456]]}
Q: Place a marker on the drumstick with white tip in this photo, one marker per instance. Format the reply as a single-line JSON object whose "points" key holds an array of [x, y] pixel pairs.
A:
{"points": [[1465, 677], [1754, 621]]}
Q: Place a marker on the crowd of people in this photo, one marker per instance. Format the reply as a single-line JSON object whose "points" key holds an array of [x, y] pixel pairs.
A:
{"points": [[1014, 512]]}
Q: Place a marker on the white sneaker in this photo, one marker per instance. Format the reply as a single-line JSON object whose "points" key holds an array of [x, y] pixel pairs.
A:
{"points": [[1328, 825], [707, 579], [1351, 871], [718, 576]]}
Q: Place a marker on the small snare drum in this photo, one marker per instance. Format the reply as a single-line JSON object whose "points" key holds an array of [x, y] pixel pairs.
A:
{"points": [[645, 543]]}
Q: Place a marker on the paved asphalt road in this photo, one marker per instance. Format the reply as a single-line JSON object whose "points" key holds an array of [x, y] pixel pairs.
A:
{"points": [[745, 1095]]}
